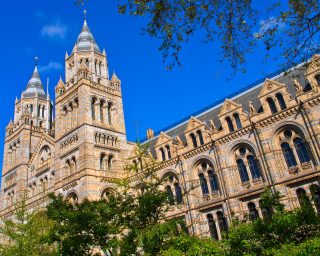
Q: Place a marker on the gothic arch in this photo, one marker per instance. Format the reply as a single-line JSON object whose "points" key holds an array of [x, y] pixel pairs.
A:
{"points": [[238, 144], [198, 159], [72, 196], [167, 172]]}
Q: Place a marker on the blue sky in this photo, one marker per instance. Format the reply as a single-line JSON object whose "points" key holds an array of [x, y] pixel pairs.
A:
{"points": [[152, 96]]}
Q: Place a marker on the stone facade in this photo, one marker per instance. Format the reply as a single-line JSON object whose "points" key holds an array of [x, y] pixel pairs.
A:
{"points": [[218, 161]]}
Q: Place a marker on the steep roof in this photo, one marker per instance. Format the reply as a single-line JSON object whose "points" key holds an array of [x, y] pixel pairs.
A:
{"points": [[241, 97], [86, 39], [35, 86]]}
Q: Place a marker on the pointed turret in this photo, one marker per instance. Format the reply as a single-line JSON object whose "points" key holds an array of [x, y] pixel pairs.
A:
{"points": [[86, 41], [60, 88], [114, 77], [35, 86]]}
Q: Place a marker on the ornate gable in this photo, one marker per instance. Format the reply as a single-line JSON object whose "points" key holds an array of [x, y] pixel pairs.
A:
{"points": [[228, 106], [270, 86], [163, 138], [193, 123], [313, 65]]}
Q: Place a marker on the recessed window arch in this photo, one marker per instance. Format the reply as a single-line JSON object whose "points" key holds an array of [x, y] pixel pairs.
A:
{"points": [[103, 162], [302, 197], [281, 101], [102, 103], [315, 192], [201, 141], [294, 147], [246, 160], [194, 140], [230, 124], [237, 120], [272, 105], [170, 195], [93, 108], [72, 198], [213, 181], [222, 222], [110, 162], [173, 188], [253, 212], [168, 151], [178, 192], [110, 106], [212, 227], [163, 155]]}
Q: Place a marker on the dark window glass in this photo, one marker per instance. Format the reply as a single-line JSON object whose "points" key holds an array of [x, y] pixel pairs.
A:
{"points": [[194, 140], [288, 155], [222, 221], [238, 121], [204, 184], [178, 191], [213, 181], [170, 195], [163, 155], [230, 125], [272, 106], [281, 101], [212, 227], [302, 151], [253, 213], [200, 137], [253, 166], [242, 170]]}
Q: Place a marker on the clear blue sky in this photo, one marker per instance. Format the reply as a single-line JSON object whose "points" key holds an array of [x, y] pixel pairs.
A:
{"points": [[152, 96]]}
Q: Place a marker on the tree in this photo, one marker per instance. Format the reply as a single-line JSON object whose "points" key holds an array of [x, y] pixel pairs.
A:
{"points": [[26, 233], [236, 26]]}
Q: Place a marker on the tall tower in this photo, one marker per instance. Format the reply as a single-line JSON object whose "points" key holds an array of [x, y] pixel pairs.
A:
{"points": [[32, 125], [90, 130]]}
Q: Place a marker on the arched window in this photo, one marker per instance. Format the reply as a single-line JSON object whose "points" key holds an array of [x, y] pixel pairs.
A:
{"points": [[72, 198], [163, 155], [194, 140], [109, 113], [237, 119], [230, 125], [170, 195], [253, 166], [288, 155], [213, 181], [103, 162], [242, 170], [73, 165], [93, 108], [110, 159], [317, 77], [212, 227], [302, 197], [272, 106], [222, 222], [266, 211], [168, 151], [101, 110], [281, 101], [301, 150], [199, 133], [178, 191], [204, 184], [253, 213], [68, 167], [315, 191]]}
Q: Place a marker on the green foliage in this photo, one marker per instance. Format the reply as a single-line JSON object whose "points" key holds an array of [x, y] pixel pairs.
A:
{"points": [[26, 233]]}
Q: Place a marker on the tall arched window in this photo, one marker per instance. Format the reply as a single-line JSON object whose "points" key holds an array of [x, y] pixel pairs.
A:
{"points": [[93, 108], [213, 181], [222, 221], [170, 195], [199, 133], [230, 125], [212, 227], [73, 165], [302, 197], [272, 106], [168, 151], [317, 77], [101, 110], [242, 170], [110, 159], [163, 155], [68, 167], [204, 184], [253, 213], [253, 166], [194, 140], [237, 119], [315, 191], [266, 211], [281, 101], [302, 152], [178, 191], [109, 113], [288, 155], [103, 162]]}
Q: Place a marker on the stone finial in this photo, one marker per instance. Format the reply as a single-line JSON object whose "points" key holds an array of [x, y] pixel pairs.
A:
{"points": [[212, 126], [251, 108], [297, 86], [150, 134]]}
